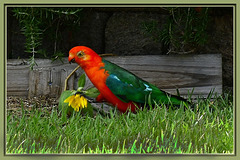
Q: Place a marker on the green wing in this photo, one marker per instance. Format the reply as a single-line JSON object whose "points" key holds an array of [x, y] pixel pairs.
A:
{"points": [[128, 87]]}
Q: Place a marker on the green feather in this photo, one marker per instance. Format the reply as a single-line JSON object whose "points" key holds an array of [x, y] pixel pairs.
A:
{"points": [[128, 87]]}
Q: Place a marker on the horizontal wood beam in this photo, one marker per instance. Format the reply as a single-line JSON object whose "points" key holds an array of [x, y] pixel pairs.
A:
{"points": [[202, 73]]}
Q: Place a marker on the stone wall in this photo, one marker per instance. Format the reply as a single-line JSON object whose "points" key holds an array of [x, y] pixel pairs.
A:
{"points": [[119, 31], [124, 33]]}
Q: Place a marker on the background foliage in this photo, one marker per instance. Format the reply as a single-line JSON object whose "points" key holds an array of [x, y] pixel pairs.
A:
{"points": [[37, 22], [184, 31]]}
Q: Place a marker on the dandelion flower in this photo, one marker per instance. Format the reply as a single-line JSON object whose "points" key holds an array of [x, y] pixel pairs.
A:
{"points": [[76, 101]]}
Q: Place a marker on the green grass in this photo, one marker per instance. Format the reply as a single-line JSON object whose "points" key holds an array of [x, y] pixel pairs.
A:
{"points": [[206, 129]]}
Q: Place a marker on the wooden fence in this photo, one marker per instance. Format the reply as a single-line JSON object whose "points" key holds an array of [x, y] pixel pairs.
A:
{"points": [[183, 72]]}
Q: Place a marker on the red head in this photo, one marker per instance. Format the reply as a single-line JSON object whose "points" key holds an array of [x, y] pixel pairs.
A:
{"points": [[83, 56]]}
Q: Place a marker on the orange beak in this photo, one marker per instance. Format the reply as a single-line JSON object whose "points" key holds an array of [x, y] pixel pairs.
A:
{"points": [[71, 58]]}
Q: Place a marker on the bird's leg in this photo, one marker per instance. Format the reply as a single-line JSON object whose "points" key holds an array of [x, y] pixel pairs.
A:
{"points": [[100, 98]]}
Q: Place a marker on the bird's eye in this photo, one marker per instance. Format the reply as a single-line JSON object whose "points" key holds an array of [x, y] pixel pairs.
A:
{"points": [[80, 53]]}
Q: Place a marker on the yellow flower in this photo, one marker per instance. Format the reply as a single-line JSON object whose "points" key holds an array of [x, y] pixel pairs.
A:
{"points": [[76, 102]]}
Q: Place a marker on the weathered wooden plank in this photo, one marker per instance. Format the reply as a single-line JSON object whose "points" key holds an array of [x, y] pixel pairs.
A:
{"points": [[17, 78], [49, 77], [185, 72]]}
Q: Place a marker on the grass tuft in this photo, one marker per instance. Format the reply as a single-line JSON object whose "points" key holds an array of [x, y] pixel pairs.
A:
{"points": [[208, 128]]}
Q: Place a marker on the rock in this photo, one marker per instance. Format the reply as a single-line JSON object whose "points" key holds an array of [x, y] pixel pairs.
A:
{"points": [[125, 34], [91, 30]]}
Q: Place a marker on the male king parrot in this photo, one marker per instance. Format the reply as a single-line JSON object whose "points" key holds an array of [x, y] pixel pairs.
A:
{"points": [[116, 85]]}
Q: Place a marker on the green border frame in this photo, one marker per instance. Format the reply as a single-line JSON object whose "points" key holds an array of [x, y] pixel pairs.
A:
{"points": [[122, 3]]}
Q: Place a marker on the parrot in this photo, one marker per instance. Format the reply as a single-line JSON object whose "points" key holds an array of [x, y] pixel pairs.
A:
{"points": [[116, 85]]}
